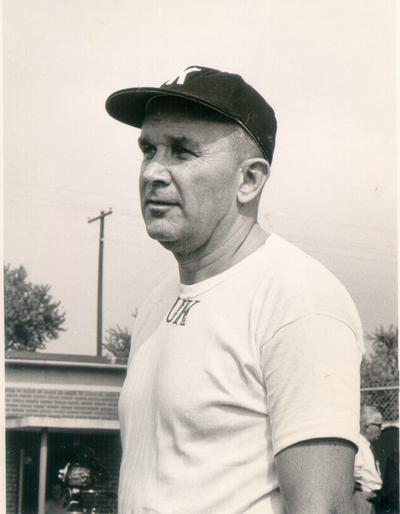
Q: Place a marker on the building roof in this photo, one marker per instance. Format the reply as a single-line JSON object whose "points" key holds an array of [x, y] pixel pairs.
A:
{"points": [[61, 392]]}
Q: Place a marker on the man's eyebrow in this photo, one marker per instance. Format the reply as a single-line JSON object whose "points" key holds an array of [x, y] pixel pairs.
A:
{"points": [[143, 141], [183, 141]]}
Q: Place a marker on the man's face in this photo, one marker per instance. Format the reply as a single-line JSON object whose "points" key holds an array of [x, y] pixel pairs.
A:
{"points": [[373, 428], [188, 180], [56, 492]]}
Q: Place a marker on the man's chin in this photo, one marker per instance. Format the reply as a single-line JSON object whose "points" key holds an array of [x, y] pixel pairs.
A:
{"points": [[168, 240], [164, 237]]}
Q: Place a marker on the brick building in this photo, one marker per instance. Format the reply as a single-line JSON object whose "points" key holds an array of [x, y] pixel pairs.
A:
{"points": [[56, 405]]}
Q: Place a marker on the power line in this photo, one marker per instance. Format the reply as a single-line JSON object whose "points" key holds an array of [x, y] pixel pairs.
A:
{"points": [[72, 190], [364, 249], [325, 222], [68, 205], [44, 200]]}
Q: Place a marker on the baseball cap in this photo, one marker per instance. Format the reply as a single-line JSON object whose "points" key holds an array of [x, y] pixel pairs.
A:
{"points": [[226, 93]]}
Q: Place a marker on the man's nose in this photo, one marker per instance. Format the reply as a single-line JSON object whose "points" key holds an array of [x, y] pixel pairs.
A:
{"points": [[156, 172]]}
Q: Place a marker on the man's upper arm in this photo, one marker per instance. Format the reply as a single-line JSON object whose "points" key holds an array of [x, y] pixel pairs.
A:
{"points": [[311, 374], [312, 379], [316, 476]]}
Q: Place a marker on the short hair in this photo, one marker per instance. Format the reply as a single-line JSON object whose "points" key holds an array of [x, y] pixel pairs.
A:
{"points": [[245, 146], [367, 412]]}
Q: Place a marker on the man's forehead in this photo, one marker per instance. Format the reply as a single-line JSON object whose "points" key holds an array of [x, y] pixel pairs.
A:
{"points": [[375, 417], [182, 124]]}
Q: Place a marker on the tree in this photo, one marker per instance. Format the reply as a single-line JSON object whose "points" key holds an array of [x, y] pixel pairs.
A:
{"points": [[31, 316], [380, 370], [381, 367], [118, 341]]}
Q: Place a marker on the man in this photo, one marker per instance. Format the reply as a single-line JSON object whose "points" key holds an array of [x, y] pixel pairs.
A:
{"points": [[366, 469], [54, 504], [242, 393]]}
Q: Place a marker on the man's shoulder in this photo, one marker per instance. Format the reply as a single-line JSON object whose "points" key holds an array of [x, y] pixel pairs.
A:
{"points": [[298, 285], [363, 444], [294, 267]]}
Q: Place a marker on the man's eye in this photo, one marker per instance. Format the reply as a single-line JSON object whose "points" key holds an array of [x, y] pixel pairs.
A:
{"points": [[181, 151], [148, 151]]}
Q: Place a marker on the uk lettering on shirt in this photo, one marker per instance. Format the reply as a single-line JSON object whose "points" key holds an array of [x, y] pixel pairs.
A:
{"points": [[179, 312]]}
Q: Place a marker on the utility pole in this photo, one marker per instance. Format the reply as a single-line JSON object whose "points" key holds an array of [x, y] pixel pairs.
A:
{"points": [[101, 217]]}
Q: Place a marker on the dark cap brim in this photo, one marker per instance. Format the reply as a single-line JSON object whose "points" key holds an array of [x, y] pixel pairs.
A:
{"points": [[129, 105]]}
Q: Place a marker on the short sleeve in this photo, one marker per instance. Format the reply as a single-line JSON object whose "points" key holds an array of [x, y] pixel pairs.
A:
{"points": [[359, 464], [311, 370]]}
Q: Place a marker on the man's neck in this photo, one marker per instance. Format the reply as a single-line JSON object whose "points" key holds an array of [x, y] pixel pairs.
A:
{"points": [[205, 264]]}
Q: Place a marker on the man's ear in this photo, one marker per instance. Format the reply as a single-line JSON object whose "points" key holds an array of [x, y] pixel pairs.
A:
{"points": [[253, 175]]}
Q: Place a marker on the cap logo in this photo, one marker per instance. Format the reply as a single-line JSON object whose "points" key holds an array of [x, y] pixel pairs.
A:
{"points": [[181, 77]]}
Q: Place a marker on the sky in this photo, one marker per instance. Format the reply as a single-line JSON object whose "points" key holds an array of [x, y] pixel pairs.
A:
{"points": [[327, 68]]}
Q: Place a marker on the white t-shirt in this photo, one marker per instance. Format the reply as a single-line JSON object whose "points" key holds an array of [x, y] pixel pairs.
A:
{"points": [[365, 467], [225, 373]]}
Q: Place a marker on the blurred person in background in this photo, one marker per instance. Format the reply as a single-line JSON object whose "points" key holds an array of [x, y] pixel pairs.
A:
{"points": [[367, 473], [386, 450], [54, 504]]}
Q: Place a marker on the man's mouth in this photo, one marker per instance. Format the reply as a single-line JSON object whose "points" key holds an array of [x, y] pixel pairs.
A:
{"points": [[156, 202]]}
